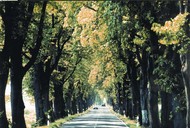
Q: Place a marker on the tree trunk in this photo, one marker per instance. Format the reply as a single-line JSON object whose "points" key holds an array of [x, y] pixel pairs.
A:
{"points": [[80, 102], [128, 104], [125, 97], [143, 86], [59, 103], [143, 99], [74, 106], [178, 115], [4, 70], [119, 98], [45, 97], [166, 101], [186, 73], [153, 104], [178, 94], [17, 103], [185, 62], [37, 85], [135, 90]]}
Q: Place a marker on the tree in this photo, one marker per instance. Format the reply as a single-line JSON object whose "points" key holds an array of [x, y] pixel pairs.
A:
{"points": [[20, 12], [171, 36], [4, 65]]}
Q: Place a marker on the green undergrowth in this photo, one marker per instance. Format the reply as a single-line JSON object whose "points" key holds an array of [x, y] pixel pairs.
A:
{"points": [[58, 123]]}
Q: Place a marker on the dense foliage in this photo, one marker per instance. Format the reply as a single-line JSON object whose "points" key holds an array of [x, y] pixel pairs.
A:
{"points": [[132, 55]]}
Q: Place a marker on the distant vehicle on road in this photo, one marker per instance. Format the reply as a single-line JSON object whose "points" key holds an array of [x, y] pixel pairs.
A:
{"points": [[103, 105], [95, 107]]}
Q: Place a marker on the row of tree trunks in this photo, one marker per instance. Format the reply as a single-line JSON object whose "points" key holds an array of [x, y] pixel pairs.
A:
{"points": [[76, 104], [19, 12], [135, 89]]}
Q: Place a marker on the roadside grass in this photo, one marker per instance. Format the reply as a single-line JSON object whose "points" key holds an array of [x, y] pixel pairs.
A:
{"points": [[58, 123], [130, 123]]}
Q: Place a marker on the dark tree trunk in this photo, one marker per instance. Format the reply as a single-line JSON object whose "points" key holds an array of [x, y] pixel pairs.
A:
{"points": [[166, 100], [80, 102], [178, 115], [69, 96], [153, 104], [135, 90], [37, 85], [119, 98], [41, 94], [4, 70], [85, 103], [17, 103], [143, 99], [59, 103], [4, 66], [45, 97], [185, 61], [186, 73], [178, 95], [152, 87], [74, 105], [72, 101], [152, 96], [143, 86], [128, 104], [125, 97]]}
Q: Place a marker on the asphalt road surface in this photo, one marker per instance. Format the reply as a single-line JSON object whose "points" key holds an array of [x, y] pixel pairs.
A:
{"points": [[96, 118]]}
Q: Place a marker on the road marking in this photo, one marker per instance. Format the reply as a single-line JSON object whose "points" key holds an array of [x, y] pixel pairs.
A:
{"points": [[96, 121]]}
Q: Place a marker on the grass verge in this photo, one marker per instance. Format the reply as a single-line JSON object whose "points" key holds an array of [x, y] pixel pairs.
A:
{"points": [[58, 123], [130, 123]]}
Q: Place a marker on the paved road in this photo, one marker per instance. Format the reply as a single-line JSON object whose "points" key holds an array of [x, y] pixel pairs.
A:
{"points": [[96, 118]]}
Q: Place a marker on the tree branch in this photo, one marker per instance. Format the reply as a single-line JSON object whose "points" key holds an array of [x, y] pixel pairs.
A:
{"points": [[77, 62], [138, 55], [35, 51], [24, 54], [89, 7], [59, 52]]}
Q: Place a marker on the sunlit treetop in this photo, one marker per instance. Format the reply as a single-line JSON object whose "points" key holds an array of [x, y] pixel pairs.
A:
{"points": [[86, 16], [171, 30], [93, 76], [108, 81]]}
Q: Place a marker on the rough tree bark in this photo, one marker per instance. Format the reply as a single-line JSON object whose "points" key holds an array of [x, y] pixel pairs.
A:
{"points": [[166, 99], [135, 90], [143, 86], [59, 103], [37, 86], [119, 98], [185, 70], [16, 92]]}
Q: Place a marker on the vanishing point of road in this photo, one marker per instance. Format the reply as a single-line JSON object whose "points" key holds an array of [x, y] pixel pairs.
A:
{"points": [[96, 118]]}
